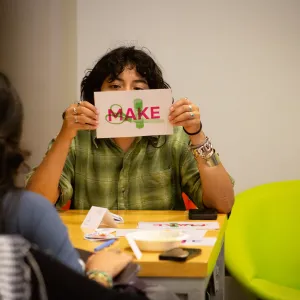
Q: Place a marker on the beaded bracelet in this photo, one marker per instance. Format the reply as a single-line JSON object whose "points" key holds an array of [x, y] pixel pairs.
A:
{"points": [[101, 277]]}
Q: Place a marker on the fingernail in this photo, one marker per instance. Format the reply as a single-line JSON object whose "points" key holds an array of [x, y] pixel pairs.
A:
{"points": [[171, 108]]}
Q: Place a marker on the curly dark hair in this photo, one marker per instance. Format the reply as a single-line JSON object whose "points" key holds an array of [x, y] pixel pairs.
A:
{"points": [[11, 124], [113, 63]]}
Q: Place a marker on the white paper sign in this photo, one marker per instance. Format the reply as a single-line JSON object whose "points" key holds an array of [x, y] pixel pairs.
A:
{"points": [[133, 113], [95, 217]]}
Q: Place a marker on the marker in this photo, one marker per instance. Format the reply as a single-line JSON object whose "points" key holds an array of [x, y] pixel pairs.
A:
{"points": [[104, 245], [138, 107]]}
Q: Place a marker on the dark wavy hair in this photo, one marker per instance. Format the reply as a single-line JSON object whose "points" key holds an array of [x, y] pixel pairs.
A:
{"points": [[11, 124], [113, 63]]}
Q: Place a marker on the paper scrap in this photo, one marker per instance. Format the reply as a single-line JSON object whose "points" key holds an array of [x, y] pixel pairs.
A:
{"points": [[205, 241], [134, 247], [100, 234], [95, 217], [179, 225]]}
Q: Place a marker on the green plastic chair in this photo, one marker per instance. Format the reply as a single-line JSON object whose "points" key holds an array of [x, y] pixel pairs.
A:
{"points": [[262, 240]]}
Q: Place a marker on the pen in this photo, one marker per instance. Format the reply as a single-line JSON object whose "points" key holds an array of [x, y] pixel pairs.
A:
{"points": [[104, 245]]}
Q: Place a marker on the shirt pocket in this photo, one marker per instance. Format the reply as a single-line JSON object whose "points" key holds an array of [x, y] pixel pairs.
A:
{"points": [[157, 190]]}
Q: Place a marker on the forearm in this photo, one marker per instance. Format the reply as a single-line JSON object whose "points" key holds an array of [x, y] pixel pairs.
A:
{"points": [[45, 180], [217, 187]]}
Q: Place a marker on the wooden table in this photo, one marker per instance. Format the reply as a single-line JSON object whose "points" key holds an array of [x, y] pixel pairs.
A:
{"points": [[190, 278]]}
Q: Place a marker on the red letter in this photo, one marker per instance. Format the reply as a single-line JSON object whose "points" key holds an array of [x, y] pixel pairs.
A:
{"points": [[153, 113], [142, 113], [115, 115], [130, 114]]}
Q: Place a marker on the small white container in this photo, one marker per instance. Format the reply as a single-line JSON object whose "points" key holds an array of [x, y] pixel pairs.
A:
{"points": [[157, 240]]}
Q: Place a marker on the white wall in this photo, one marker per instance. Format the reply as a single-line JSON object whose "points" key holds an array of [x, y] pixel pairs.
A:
{"points": [[240, 60], [38, 52]]}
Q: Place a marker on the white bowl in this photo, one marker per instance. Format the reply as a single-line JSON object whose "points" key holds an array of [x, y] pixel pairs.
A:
{"points": [[157, 240]]}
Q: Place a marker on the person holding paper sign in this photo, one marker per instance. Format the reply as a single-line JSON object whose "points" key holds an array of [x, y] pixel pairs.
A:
{"points": [[146, 172]]}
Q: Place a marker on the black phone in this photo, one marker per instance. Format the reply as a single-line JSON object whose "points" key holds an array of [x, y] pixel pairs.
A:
{"points": [[179, 254], [128, 275], [203, 214]]}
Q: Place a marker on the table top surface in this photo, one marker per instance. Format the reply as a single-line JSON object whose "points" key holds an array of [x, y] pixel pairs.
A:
{"points": [[199, 266]]}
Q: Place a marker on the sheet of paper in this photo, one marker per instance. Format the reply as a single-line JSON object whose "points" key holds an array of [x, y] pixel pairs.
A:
{"points": [[123, 232], [108, 220], [93, 218], [117, 218], [100, 234], [133, 113], [134, 247], [195, 234], [97, 216], [205, 241], [179, 225]]}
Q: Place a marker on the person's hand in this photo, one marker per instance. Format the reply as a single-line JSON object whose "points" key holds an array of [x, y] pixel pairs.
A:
{"points": [[185, 113], [81, 116], [111, 262]]}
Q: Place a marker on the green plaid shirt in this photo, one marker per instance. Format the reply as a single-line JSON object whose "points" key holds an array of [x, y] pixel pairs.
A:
{"points": [[151, 175]]}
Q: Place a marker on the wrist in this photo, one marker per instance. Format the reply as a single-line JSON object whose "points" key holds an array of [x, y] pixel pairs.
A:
{"points": [[100, 277], [197, 139], [204, 152], [66, 135]]}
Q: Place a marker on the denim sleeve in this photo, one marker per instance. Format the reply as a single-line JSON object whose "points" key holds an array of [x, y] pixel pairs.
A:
{"points": [[38, 221]]}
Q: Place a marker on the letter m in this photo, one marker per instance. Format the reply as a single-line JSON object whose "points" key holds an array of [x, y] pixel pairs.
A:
{"points": [[115, 115]]}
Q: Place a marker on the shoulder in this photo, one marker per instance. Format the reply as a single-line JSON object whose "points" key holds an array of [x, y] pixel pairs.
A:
{"points": [[26, 198], [35, 213], [25, 210]]}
